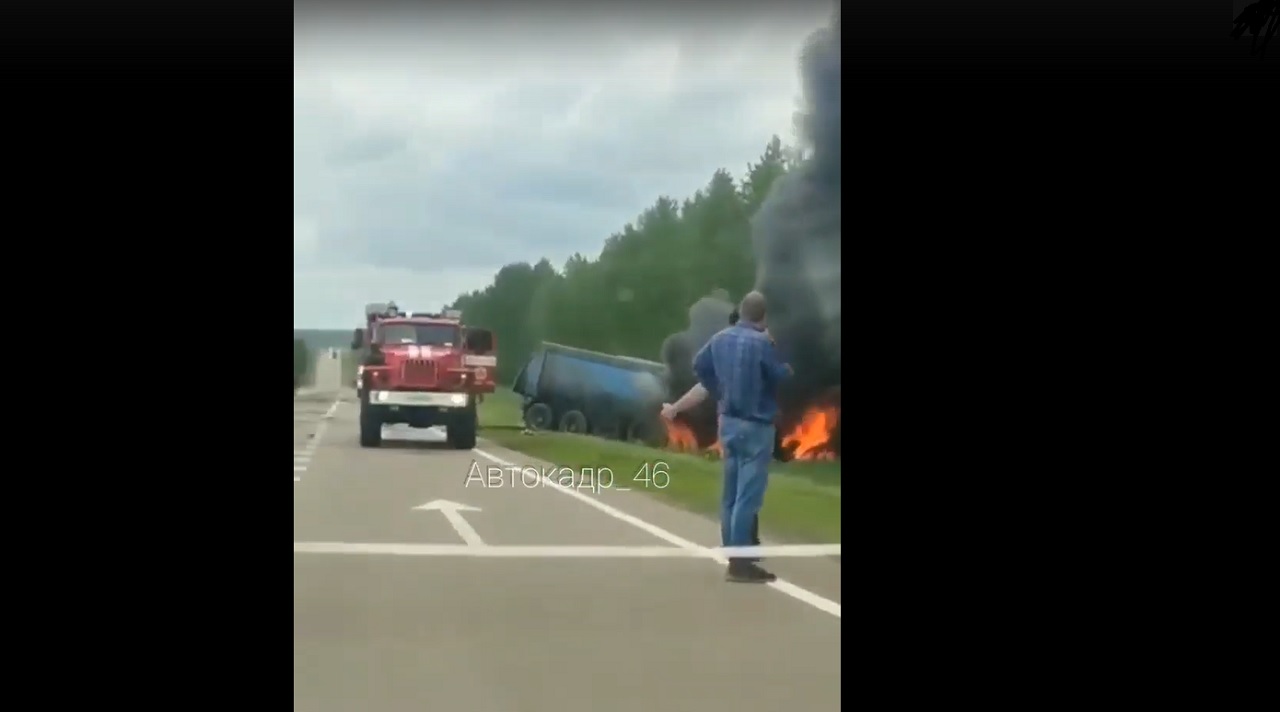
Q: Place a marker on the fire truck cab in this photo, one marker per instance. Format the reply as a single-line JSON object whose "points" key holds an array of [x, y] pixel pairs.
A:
{"points": [[423, 370]]}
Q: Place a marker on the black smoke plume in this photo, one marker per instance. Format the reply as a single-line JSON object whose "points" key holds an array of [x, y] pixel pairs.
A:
{"points": [[795, 237], [796, 241], [796, 234]]}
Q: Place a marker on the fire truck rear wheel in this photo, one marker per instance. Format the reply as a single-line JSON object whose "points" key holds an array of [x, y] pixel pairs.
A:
{"points": [[460, 431]]}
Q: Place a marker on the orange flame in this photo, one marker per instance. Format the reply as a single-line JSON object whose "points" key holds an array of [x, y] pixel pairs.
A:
{"points": [[812, 436], [810, 439], [680, 437]]}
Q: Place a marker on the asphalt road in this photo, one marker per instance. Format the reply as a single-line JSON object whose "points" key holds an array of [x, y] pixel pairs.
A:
{"points": [[408, 626]]}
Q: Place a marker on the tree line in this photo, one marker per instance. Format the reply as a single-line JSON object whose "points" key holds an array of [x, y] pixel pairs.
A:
{"points": [[638, 290]]}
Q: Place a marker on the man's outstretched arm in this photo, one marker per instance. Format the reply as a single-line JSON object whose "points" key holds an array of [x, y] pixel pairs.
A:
{"points": [[692, 398]]}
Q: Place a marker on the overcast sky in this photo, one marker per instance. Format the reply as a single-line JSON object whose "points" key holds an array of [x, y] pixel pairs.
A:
{"points": [[432, 151]]}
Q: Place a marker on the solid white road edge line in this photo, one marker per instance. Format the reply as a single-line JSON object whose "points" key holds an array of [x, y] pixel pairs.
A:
{"points": [[561, 552], [800, 594]]}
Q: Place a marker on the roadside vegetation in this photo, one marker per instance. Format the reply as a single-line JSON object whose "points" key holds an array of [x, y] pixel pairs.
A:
{"points": [[301, 363]]}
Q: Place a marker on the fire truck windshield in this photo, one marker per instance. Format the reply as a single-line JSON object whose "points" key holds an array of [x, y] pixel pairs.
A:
{"points": [[419, 334]]}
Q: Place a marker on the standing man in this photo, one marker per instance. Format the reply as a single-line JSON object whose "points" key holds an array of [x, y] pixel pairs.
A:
{"points": [[692, 399], [740, 366]]}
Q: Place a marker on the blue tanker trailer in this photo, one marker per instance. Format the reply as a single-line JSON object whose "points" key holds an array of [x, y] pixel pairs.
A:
{"points": [[580, 391]]}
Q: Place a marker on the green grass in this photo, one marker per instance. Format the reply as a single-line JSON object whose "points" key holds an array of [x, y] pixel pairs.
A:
{"points": [[802, 503], [501, 410]]}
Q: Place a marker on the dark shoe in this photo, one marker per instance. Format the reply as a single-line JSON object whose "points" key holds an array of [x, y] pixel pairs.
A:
{"points": [[747, 572]]}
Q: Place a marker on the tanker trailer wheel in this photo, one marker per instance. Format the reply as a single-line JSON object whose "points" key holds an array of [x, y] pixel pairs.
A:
{"points": [[649, 431], [574, 422], [460, 431], [539, 416], [370, 424]]}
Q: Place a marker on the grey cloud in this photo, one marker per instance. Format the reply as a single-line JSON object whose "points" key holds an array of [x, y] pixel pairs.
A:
{"points": [[366, 149], [522, 181], [459, 226], [515, 196]]}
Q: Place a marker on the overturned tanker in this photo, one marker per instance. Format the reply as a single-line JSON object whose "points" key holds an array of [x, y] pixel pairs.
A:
{"points": [[581, 391]]}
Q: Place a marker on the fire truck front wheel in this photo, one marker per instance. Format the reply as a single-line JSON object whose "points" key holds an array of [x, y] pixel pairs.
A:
{"points": [[460, 431], [370, 425]]}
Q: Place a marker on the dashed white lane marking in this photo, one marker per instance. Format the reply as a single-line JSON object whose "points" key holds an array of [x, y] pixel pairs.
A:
{"points": [[800, 594], [302, 458]]}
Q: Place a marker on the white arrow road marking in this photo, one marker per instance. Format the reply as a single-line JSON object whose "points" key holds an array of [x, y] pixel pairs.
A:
{"points": [[452, 511]]}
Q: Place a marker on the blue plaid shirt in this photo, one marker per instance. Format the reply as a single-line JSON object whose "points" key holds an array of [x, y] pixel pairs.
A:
{"points": [[741, 369]]}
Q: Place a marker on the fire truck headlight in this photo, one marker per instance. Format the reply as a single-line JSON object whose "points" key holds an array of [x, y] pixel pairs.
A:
{"points": [[458, 399]]}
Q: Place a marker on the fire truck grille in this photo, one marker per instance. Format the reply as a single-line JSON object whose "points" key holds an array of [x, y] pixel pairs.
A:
{"points": [[418, 372]]}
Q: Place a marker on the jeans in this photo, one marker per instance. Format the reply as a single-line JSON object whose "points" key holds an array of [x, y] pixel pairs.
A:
{"points": [[747, 448]]}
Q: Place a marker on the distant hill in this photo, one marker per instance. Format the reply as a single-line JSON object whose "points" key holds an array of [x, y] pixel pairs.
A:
{"points": [[324, 338]]}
